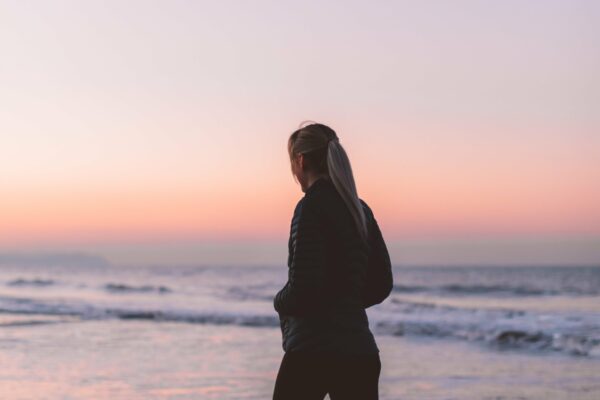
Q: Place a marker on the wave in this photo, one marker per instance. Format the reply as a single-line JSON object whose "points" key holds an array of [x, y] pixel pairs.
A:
{"points": [[109, 287], [31, 282], [499, 338], [15, 305], [248, 293], [199, 317], [30, 322], [493, 290], [502, 329], [124, 288], [411, 307]]}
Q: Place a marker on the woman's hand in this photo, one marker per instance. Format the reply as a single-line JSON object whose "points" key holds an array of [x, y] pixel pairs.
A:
{"points": [[304, 291]]}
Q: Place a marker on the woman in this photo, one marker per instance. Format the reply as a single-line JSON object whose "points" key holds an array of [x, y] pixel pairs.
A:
{"points": [[338, 266]]}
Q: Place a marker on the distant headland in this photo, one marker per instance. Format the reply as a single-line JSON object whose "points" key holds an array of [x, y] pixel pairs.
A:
{"points": [[53, 259]]}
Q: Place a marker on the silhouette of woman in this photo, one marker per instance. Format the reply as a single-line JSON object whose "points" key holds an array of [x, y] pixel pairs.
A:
{"points": [[338, 265]]}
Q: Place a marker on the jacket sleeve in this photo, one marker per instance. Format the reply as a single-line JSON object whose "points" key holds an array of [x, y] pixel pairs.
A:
{"points": [[303, 293], [379, 273]]}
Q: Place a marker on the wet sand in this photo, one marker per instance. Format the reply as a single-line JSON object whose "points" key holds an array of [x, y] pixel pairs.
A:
{"points": [[123, 359]]}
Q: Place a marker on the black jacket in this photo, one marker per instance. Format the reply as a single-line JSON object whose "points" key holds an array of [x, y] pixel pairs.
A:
{"points": [[333, 275]]}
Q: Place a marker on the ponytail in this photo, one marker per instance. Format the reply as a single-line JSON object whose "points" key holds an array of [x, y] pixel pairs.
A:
{"points": [[340, 172], [324, 153]]}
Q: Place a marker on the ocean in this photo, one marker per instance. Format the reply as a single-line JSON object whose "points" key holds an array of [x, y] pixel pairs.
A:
{"points": [[210, 332]]}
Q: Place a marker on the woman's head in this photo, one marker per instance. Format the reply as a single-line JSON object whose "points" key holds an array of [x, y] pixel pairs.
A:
{"points": [[308, 149], [315, 150]]}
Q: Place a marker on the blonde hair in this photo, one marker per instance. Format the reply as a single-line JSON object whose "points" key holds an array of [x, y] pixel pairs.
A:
{"points": [[324, 153]]}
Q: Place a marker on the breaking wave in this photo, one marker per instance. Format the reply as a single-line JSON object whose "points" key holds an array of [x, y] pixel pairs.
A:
{"points": [[31, 282], [124, 288], [492, 290], [502, 329]]}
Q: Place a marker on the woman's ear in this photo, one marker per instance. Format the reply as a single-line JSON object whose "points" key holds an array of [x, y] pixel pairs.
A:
{"points": [[301, 161]]}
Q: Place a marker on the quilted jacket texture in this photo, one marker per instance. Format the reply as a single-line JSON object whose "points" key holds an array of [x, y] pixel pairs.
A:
{"points": [[333, 276]]}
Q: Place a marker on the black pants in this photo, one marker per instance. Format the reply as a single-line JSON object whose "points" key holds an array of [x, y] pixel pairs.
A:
{"points": [[309, 376]]}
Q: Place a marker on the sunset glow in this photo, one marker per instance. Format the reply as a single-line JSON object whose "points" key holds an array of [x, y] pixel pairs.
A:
{"points": [[131, 122]]}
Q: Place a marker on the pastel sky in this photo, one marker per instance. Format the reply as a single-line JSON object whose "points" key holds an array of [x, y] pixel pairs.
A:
{"points": [[155, 131]]}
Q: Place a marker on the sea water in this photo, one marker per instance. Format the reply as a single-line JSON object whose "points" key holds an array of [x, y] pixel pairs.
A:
{"points": [[195, 332]]}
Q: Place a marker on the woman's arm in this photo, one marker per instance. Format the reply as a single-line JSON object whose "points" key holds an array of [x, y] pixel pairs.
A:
{"points": [[379, 274], [303, 293]]}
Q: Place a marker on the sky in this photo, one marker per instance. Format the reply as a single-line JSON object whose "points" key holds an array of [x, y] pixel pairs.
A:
{"points": [[156, 131]]}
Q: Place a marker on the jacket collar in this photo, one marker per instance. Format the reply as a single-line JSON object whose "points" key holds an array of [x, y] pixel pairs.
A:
{"points": [[316, 184]]}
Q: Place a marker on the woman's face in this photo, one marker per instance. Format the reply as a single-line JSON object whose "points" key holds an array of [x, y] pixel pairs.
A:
{"points": [[298, 170]]}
